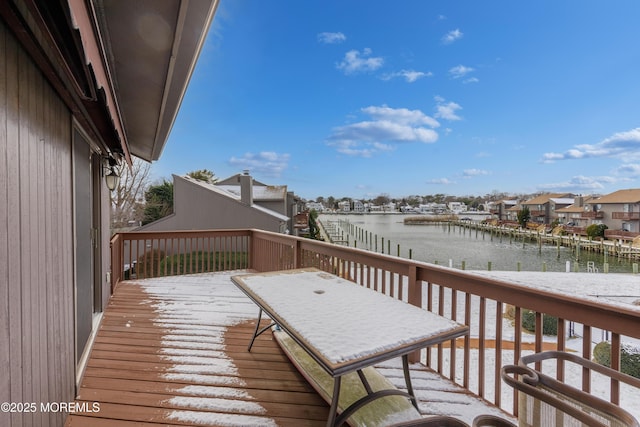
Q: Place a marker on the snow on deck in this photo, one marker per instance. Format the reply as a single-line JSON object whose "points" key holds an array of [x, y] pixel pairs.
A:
{"points": [[436, 395]]}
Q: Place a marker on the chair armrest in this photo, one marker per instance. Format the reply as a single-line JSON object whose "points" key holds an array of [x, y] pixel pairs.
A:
{"points": [[593, 366], [576, 403]]}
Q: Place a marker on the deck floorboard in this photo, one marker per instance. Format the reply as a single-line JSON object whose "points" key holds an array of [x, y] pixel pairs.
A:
{"points": [[173, 351]]}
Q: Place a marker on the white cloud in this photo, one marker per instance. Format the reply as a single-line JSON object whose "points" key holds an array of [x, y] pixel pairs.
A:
{"points": [[331, 38], [268, 163], [621, 144], [471, 80], [445, 181], [452, 36], [356, 62], [401, 115], [580, 182], [459, 71], [447, 110], [631, 169], [475, 172], [387, 127], [409, 75]]}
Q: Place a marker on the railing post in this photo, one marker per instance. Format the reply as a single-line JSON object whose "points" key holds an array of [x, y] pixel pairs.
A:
{"points": [[297, 254], [252, 262], [414, 297], [117, 267]]}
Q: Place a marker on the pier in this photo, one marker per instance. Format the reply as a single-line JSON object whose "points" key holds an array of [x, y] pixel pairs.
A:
{"points": [[616, 248]]}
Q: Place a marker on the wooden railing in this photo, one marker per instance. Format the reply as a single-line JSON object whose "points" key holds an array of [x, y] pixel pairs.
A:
{"points": [[142, 255], [620, 234], [625, 215], [592, 214], [468, 298]]}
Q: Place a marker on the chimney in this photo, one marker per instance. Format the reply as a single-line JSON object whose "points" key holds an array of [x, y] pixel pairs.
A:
{"points": [[579, 201], [246, 188]]}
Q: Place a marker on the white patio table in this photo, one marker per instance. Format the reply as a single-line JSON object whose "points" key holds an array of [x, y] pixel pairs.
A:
{"points": [[343, 326]]}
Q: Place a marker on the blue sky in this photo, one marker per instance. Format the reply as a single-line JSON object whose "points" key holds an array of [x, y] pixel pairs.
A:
{"points": [[351, 98]]}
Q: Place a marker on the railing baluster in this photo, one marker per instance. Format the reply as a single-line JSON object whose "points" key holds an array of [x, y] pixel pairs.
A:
{"points": [[454, 317], [467, 341], [586, 353], [517, 349], [561, 346], [441, 313], [615, 364], [497, 395], [392, 290], [482, 345], [539, 336]]}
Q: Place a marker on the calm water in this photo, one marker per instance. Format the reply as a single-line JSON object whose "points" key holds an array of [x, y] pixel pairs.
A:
{"points": [[445, 244]]}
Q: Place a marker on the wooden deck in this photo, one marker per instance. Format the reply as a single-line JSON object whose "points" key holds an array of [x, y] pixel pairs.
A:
{"points": [[173, 351]]}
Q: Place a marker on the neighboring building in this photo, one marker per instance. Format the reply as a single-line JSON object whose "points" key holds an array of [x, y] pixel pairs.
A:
{"points": [[619, 210], [579, 214], [457, 207], [432, 208], [81, 87], [344, 206], [543, 208], [198, 205], [358, 206], [315, 206], [273, 197], [503, 210]]}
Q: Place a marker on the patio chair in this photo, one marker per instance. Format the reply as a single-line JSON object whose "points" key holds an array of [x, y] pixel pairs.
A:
{"points": [[491, 421], [545, 401], [447, 421], [433, 421]]}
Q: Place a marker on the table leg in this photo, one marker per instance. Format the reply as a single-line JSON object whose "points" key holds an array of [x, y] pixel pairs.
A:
{"points": [[365, 382], [407, 379], [259, 331], [333, 411]]}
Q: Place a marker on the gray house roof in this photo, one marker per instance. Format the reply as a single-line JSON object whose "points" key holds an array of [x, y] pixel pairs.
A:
{"points": [[233, 192], [260, 192]]}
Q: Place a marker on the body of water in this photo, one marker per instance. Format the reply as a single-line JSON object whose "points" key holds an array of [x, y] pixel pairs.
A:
{"points": [[451, 245]]}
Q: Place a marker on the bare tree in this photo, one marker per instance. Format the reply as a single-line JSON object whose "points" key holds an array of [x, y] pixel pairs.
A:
{"points": [[127, 200]]}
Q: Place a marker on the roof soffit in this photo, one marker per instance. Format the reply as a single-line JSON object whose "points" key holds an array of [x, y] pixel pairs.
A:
{"points": [[151, 48]]}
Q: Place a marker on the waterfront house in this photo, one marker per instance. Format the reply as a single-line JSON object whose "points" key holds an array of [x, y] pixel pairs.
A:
{"points": [[543, 207], [358, 206], [315, 206], [83, 84], [456, 207], [579, 214], [619, 210], [344, 206], [199, 205], [503, 209]]}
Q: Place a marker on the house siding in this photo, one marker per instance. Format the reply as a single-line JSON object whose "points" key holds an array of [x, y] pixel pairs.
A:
{"points": [[36, 240]]}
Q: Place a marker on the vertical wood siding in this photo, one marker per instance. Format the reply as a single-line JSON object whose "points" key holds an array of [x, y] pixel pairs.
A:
{"points": [[36, 240]]}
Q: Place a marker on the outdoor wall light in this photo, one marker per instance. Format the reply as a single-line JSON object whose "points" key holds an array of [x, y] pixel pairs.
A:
{"points": [[112, 179]]}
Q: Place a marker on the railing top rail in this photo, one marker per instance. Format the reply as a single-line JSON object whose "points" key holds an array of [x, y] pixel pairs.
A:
{"points": [[139, 235]]}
